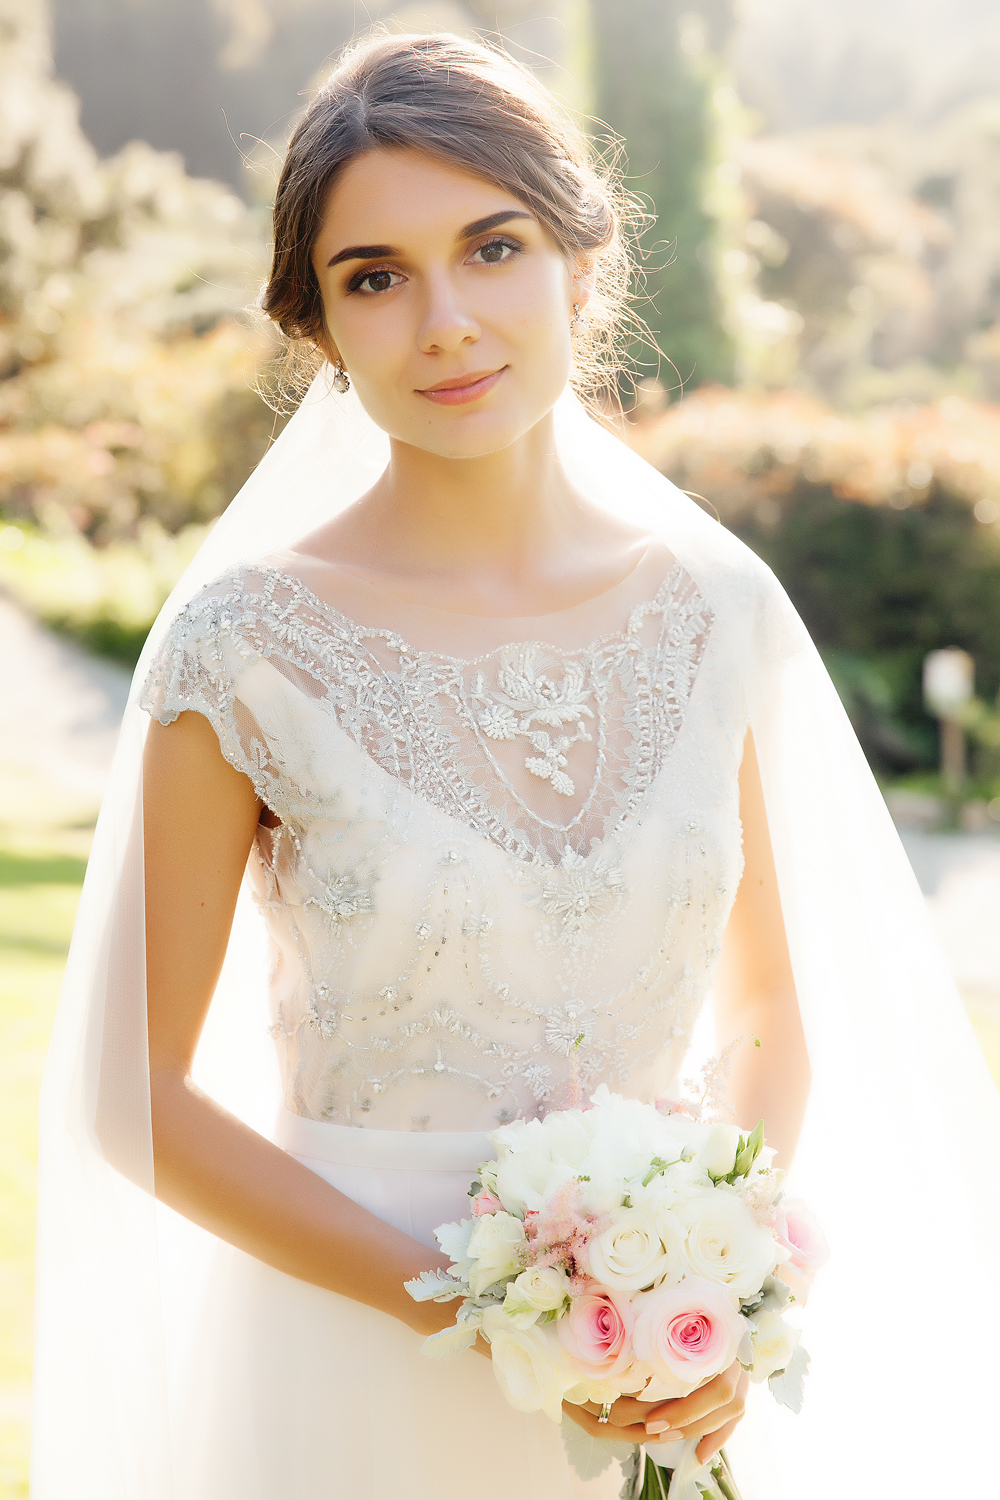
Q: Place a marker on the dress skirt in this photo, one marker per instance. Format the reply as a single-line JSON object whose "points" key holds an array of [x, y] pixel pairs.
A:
{"points": [[291, 1392]]}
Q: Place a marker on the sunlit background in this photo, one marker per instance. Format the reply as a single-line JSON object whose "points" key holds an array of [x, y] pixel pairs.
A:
{"points": [[823, 278]]}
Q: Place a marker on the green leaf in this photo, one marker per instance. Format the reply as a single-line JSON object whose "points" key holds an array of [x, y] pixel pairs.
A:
{"points": [[435, 1286], [450, 1341], [788, 1385], [748, 1152], [590, 1456]]}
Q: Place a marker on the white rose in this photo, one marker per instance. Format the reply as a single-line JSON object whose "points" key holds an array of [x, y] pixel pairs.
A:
{"points": [[526, 1364], [629, 1255], [659, 1209], [717, 1153], [493, 1248], [724, 1242], [538, 1290], [773, 1345]]}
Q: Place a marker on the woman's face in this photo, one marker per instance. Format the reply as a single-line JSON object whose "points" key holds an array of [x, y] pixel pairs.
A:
{"points": [[449, 304]]}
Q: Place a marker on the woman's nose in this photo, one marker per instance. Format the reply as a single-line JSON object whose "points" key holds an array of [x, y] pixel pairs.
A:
{"points": [[447, 322]]}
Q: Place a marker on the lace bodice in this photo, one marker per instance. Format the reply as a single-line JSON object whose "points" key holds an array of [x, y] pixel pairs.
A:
{"points": [[492, 882]]}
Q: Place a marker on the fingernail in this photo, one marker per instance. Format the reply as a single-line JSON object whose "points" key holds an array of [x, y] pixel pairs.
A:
{"points": [[663, 1434], [653, 1427]]}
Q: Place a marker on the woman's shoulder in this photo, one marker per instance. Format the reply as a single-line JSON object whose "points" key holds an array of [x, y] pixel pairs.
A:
{"points": [[250, 606], [244, 585], [250, 611]]}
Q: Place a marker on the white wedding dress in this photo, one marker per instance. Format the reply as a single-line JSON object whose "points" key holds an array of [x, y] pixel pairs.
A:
{"points": [[502, 860], [498, 861]]}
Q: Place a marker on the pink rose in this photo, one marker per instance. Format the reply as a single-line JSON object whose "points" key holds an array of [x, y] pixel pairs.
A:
{"points": [[486, 1203], [798, 1231], [597, 1332], [686, 1334]]}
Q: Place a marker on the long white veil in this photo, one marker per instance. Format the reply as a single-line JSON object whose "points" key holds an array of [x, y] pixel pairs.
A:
{"points": [[901, 1148]]}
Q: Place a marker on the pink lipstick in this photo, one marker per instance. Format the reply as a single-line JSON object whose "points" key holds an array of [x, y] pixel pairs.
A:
{"points": [[463, 388]]}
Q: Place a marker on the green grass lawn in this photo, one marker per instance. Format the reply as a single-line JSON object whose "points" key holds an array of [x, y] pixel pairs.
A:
{"points": [[41, 869], [40, 875]]}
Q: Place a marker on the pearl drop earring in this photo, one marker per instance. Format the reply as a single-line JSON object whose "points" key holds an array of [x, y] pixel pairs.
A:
{"points": [[341, 381]]}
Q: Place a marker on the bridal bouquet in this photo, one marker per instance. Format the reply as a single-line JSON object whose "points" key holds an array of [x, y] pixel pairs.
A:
{"points": [[618, 1250]]}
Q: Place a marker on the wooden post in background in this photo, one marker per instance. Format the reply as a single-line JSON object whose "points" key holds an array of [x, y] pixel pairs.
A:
{"points": [[949, 680]]}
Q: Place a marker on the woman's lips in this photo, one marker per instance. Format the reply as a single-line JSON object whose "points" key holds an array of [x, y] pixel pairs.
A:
{"points": [[469, 388]]}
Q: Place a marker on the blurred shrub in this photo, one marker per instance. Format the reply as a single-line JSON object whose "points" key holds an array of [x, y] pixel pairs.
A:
{"points": [[884, 528], [125, 353], [880, 243], [106, 597]]}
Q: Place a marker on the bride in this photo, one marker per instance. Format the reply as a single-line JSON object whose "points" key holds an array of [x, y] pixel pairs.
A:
{"points": [[521, 755]]}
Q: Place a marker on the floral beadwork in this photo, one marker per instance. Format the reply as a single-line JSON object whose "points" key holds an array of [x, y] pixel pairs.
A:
{"points": [[450, 949]]}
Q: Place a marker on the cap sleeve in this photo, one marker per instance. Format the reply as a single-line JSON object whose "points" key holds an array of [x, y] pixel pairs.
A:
{"points": [[198, 667]]}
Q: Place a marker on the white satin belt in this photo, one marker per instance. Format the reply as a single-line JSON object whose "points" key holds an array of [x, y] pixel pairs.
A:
{"points": [[414, 1180], [398, 1150]]}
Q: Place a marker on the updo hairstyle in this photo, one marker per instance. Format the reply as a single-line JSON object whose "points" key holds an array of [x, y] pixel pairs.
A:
{"points": [[473, 107]]}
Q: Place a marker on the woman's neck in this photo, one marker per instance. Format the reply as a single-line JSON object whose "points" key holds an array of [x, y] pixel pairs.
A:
{"points": [[504, 511], [502, 534]]}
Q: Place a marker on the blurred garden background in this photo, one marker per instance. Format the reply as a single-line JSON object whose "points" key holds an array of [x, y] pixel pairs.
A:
{"points": [[823, 278]]}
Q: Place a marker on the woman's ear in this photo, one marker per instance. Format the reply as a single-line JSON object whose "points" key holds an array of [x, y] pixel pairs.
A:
{"points": [[584, 280], [324, 343]]}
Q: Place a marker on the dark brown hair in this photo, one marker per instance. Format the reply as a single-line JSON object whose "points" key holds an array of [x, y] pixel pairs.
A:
{"points": [[474, 107]]}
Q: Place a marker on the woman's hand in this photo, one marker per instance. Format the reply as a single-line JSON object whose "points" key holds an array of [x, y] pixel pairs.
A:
{"points": [[710, 1413]]}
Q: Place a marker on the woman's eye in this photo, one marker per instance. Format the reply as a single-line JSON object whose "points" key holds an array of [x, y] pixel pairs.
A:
{"points": [[376, 281], [496, 252]]}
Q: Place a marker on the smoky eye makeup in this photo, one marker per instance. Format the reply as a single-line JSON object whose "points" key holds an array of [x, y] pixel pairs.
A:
{"points": [[496, 242], [371, 273]]}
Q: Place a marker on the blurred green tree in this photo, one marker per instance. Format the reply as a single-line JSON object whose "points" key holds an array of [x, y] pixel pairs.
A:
{"points": [[654, 74]]}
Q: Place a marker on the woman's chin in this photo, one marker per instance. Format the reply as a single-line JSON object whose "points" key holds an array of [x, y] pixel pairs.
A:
{"points": [[469, 434]]}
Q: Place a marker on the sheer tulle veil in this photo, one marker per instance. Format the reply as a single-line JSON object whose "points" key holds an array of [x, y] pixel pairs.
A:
{"points": [[902, 1141]]}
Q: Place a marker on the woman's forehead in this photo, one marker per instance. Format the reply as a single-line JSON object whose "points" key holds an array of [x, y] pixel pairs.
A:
{"points": [[386, 193]]}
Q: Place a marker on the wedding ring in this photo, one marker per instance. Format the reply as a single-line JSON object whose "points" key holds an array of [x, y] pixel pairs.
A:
{"points": [[605, 1412]]}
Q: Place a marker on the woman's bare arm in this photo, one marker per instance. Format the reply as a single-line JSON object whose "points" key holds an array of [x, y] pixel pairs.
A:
{"points": [[754, 989], [199, 821]]}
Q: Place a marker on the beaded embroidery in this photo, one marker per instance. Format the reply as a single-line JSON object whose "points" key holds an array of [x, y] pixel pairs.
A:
{"points": [[464, 743]]}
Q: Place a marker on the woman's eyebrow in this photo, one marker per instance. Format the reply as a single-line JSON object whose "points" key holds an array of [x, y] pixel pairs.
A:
{"points": [[492, 221], [478, 226], [361, 252]]}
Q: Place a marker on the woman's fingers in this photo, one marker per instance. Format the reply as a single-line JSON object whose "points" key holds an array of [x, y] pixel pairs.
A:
{"points": [[713, 1441], [731, 1412], [685, 1411], [617, 1427], [710, 1414], [625, 1412]]}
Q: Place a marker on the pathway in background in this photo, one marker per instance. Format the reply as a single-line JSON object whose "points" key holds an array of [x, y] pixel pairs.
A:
{"points": [[59, 709], [960, 876]]}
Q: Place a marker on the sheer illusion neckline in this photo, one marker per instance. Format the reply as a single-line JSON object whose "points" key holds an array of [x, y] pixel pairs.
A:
{"points": [[395, 637], [543, 749]]}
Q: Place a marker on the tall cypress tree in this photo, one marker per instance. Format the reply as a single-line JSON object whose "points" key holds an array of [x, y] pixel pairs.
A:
{"points": [[652, 80]]}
